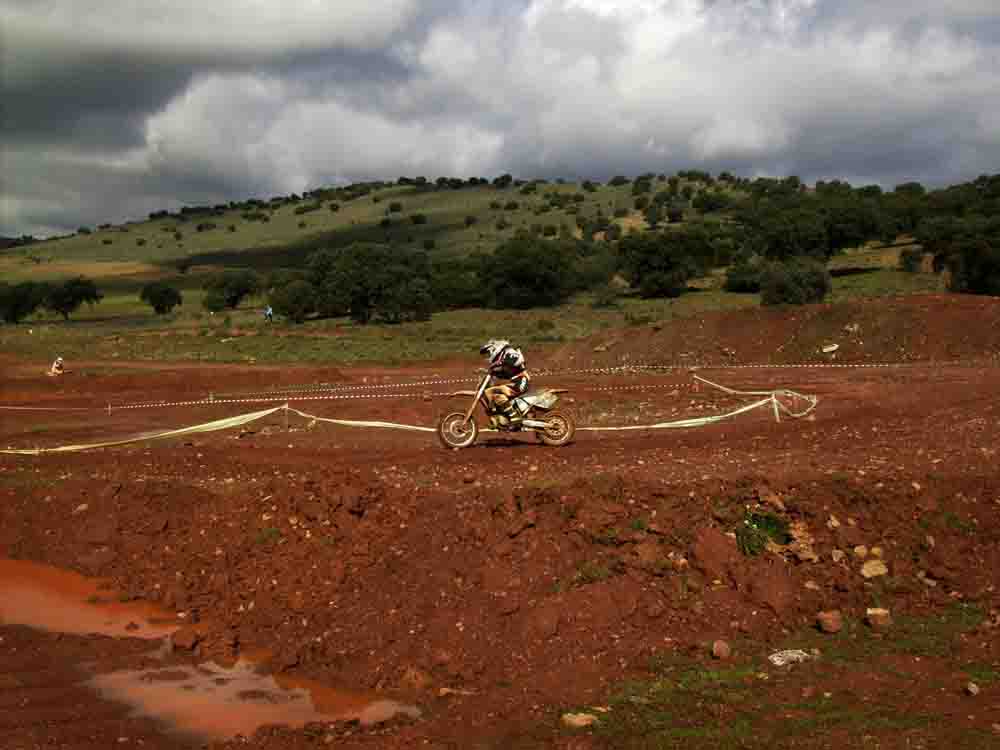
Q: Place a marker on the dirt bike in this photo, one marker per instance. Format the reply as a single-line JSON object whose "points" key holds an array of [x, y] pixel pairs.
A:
{"points": [[532, 411]]}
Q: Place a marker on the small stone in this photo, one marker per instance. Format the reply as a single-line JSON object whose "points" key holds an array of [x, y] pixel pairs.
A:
{"points": [[877, 552], [578, 721], [838, 555], [861, 552], [833, 523], [812, 585], [972, 689], [185, 639], [878, 618], [996, 729], [830, 622], [721, 650], [874, 568]]}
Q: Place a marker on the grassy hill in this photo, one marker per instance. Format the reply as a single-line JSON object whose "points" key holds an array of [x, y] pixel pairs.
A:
{"points": [[458, 222]]}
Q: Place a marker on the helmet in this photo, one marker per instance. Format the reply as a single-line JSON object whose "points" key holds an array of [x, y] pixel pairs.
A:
{"points": [[493, 347], [59, 359]]}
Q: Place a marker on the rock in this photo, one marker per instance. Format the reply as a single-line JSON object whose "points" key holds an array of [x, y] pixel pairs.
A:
{"points": [[833, 523], [877, 552], [185, 639], [861, 552], [830, 622], [838, 555], [874, 568], [713, 553], [721, 650], [812, 585], [578, 721], [972, 689], [878, 618]]}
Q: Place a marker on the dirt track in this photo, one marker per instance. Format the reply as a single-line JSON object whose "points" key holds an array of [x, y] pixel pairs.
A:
{"points": [[535, 579]]}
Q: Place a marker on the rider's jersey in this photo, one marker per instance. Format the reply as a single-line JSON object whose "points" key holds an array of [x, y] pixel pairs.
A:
{"points": [[509, 364]]}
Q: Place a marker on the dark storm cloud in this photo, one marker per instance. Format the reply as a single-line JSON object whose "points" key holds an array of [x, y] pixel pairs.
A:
{"points": [[118, 108]]}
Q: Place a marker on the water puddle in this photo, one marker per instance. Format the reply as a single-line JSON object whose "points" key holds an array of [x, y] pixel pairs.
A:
{"points": [[220, 703], [62, 601], [211, 701]]}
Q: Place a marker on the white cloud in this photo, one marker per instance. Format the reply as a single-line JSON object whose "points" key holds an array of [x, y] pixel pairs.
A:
{"points": [[280, 96]]}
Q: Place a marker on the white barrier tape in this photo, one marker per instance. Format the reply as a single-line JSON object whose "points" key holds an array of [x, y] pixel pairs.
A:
{"points": [[48, 408], [219, 424], [358, 423], [772, 400], [616, 370]]}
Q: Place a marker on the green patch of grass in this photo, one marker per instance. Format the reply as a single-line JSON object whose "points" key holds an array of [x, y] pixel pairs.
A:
{"points": [[757, 530], [592, 572], [983, 674], [268, 535]]}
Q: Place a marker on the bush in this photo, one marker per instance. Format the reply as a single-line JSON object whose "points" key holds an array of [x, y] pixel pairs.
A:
{"points": [[334, 206], [83, 230], [619, 180], [418, 218], [621, 213], [205, 226], [161, 297], [797, 282], [214, 300], [429, 243], [385, 223], [395, 207], [656, 263], [743, 278], [470, 220], [511, 206], [294, 300], [139, 242]]}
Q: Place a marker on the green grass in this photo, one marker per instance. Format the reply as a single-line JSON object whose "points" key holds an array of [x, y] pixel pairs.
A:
{"points": [[688, 704]]}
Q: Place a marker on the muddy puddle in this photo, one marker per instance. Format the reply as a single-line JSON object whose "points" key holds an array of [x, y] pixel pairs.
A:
{"points": [[205, 701], [62, 601], [220, 703]]}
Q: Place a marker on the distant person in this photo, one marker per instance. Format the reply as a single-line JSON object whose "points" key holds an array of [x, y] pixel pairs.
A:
{"points": [[58, 368], [269, 314]]}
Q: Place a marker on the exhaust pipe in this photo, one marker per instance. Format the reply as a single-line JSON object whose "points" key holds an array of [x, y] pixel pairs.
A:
{"points": [[535, 424]]}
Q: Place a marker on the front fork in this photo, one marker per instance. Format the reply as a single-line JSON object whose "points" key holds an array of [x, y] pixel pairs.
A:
{"points": [[479, 395]]}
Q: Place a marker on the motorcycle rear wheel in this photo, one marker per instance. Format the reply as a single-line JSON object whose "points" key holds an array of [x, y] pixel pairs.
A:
{"points": [[561, 429], [454, 432]]}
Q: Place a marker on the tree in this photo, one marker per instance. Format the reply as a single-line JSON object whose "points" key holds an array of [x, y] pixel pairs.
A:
{"points": [[527, 272], [18, 301], [371, 281], [655, 263], [161, 297], [67, 297], [294, 300], [798, 281], [232, 287]]}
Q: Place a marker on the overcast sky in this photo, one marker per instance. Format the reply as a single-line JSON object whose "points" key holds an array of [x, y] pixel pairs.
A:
{"points": [[114, 108]]}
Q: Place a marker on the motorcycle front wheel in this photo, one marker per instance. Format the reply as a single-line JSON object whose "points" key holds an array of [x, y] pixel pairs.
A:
{"points": [[560, 428], [455, 432]]}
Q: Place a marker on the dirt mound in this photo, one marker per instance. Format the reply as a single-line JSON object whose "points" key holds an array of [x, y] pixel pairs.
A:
{"points": [[900, 329]]}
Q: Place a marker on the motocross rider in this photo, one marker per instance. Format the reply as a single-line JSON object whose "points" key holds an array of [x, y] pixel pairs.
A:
{"points": [[505, 363]]}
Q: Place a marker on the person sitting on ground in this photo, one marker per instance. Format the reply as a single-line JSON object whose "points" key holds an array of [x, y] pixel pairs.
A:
{"points": [[505, 363], [57, 368]]}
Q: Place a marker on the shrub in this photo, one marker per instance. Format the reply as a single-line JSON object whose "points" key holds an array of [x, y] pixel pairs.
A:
{"points": [[619, 180], [418, 218], [214, 300], [295, 300], [429, 243], [106, 241], [511, 206], [140, 242], [527, 272], [395, 207], [83, 230], [161, 297], [621, 213], [470, 220], [797, 282], [385, 223], [550, 230], [743, 278], [334, 206], [231, 227], [205, 226]]}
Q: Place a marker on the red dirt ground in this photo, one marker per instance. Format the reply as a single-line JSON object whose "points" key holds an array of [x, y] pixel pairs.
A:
{"points": [[529, 579]]}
